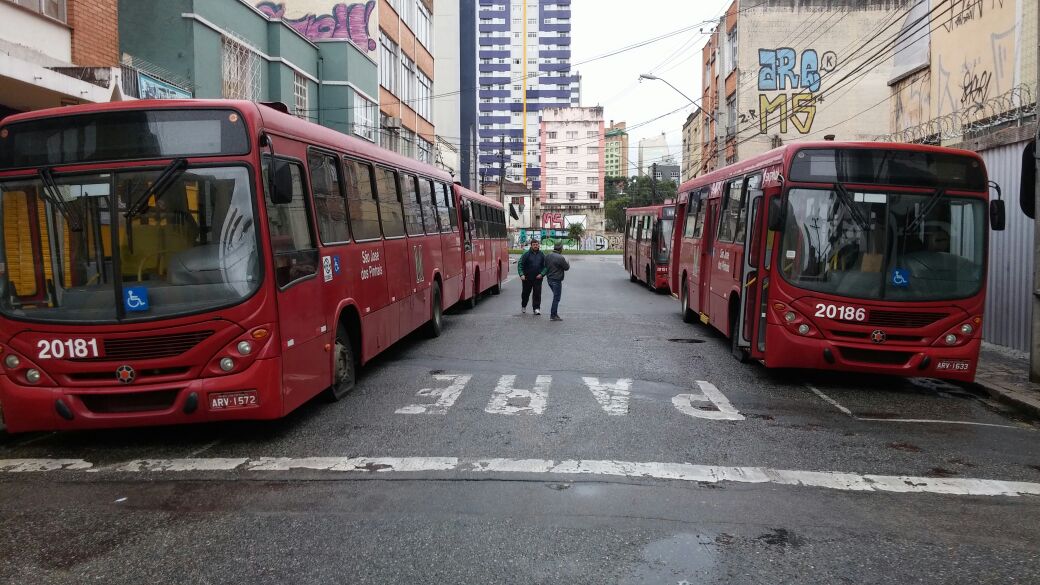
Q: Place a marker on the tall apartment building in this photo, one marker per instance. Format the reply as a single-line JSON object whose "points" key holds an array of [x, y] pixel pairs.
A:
{"points": [[406, 72], [572, 155], [57, 52], [455, 77], [653, 150], [616, 159], [524, 68], [765, 84]]}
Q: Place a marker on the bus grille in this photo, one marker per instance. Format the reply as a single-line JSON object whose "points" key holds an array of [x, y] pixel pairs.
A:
{"points": [[129, 402], [144, 348], [910, 320], [873, 356]]}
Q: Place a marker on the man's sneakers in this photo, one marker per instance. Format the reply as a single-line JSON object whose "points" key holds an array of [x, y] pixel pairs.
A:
{"points": [[556, 318], [537, 312], [523, 309]]}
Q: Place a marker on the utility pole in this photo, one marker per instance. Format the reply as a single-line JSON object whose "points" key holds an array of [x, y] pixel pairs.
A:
{"points": [[1034, 354], [653, 184]]}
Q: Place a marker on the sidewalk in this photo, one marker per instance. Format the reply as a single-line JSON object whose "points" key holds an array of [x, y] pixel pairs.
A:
{"points": [[1005, 376]]}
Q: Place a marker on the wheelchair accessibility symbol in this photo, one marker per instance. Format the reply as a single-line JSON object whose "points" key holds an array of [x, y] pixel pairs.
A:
{"points": [[135, 299], [900, 278]]}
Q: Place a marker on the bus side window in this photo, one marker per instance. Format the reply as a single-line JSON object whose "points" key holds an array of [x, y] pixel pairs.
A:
{"points": [[440, 197], [702, 214], [390, 215], [413, 219], [361, 201], [292, 242], [430, 211], [453, 212], [731, 217], [330, 209]]}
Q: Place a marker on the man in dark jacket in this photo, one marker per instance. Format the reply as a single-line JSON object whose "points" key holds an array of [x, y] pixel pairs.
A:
{"points": [[532, 270], [555, 267]]}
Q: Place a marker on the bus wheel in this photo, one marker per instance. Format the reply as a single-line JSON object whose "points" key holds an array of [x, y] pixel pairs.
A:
{"points": [[631, 271], [344, 376], [650, 279], [739, 353], [688, 316], [434, 325], [472, 301]]}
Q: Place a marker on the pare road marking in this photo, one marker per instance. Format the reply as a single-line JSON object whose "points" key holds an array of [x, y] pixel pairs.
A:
{"points": [[350, 467], [612, 396]]}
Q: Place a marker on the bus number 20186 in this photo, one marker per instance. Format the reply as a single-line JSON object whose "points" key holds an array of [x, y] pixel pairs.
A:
{"points": [[56, 349], [841, 312]]}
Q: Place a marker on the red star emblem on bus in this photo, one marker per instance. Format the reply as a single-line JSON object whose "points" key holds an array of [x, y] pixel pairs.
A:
{"points": [[878, 336], [125, 374]]}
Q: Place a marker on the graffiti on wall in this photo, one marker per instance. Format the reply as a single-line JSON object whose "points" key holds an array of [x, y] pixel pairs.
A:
{"points": [[789, 86], [318, 20], [549, 237]]}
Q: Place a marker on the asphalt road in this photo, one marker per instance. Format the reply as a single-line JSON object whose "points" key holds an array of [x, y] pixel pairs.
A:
{"points": [[618, 446]]}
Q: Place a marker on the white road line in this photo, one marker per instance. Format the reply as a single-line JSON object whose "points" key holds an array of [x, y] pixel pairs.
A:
{"points": [[612, 397], [839, 406], [446, 397], [711, 394], [509, 399], [596, 468]]}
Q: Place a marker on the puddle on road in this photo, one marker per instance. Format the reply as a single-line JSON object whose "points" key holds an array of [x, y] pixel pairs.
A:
{"points": [[684, 557], [686, 340]]}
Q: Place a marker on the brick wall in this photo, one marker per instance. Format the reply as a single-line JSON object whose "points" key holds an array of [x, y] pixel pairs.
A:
{"points": [[95, 32]]}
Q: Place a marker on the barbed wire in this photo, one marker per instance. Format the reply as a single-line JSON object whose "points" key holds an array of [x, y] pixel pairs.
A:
{"points": [[1011, 106]]}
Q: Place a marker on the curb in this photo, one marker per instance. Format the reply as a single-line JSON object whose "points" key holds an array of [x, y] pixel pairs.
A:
{"points": [[1028, 402]]}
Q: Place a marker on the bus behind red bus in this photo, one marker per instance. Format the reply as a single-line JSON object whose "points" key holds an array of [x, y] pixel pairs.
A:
{"points": [[855, 257], [185, 261], [648, 244]]}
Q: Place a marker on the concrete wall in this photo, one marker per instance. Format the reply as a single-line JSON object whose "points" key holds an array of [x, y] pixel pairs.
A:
{"points": [[789, 80], [34, 38]]}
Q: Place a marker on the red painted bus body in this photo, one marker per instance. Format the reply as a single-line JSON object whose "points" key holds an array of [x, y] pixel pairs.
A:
{"points": [[648, 243], [875, 260], [202, 298]]}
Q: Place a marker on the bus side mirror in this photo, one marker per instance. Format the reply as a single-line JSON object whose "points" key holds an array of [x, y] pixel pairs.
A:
{"points": [[282, 183], [776, 214], [465, 214], [997, 219]]}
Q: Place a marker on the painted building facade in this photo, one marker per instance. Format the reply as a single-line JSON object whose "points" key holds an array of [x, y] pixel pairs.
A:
{"points": [[573, 144], [406, 72], [616, 158], [524, 67], [692, 148], [58, 52], [789, 70], [266, 51]]}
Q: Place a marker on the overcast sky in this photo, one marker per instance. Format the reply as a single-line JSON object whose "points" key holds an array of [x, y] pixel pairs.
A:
{"points": [[602, 26]]}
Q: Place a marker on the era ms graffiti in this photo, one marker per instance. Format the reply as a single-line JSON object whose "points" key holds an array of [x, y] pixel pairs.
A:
{"points": [[797, 79], [344, 21]]}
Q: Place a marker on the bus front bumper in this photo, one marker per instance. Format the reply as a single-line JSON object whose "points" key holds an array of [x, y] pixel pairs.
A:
{"points": [[784, 350], [34, 408]]}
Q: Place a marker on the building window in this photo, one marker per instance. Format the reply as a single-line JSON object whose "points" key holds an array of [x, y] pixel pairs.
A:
{"points": [[552, 135], [593, 194], [425, 103], [425, 149], [731, 116], [365, 114], [572, 180], [388, 136], [553, 181], [422, 26], [407, 143], [592, 134], [300, 96], [387, 63], [572, 135], [592, 180], [51, 8], [593, 150], [406, 90], [241, 71]]}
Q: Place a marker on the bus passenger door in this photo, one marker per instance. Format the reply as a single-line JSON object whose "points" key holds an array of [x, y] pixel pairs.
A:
{"points": [[468, 242], [707, 261], [750, 283]]}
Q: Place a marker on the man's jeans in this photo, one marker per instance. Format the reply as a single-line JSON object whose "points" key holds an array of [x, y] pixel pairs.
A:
{"points": [[556, 286]]}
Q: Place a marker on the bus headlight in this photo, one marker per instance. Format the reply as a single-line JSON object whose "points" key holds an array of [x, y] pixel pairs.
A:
{"points": [[803, 329], [32, 376], [790, 316], [12, 361], [245, 348], [227, 364], [967, 329], [951, 339]]}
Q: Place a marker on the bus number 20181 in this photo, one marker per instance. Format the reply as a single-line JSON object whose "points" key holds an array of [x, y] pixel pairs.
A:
{"points": [[840, 312], [56, 349]]}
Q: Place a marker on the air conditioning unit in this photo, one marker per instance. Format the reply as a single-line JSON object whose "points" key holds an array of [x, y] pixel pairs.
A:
{"points": [[392, 124]]}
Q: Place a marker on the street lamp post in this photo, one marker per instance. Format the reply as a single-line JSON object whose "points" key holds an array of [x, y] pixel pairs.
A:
{"points": [[650, 77]]}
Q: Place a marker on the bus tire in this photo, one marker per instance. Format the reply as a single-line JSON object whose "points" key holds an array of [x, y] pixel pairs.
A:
{"points": [[436, 323], [688, 316], [739, 353], [650, 279], [344, 372], [631, 271], [471, 303]]}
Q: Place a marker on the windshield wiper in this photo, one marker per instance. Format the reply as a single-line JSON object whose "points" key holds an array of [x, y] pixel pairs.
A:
{"points": [[846, 199], [53, 196], [158, 188], [928, 207]]}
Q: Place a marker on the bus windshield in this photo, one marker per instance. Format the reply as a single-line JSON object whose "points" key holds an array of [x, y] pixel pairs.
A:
{"points": [[884, 246], [664, 240], [184, 241]]}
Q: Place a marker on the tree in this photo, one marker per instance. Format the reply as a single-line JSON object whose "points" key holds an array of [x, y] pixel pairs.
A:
{"points": [[614, 212], [576, 232]]}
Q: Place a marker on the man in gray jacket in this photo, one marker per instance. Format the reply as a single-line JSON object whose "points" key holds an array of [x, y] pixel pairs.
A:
{"points": [[555, 266]]}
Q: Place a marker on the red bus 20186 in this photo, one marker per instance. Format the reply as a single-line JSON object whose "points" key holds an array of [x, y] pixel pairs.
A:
{"points": [[172, 262], [648, 244], [857, 257]]}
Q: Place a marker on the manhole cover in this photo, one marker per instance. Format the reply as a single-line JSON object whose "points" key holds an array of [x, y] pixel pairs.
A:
{"points": [[686, 340]]}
